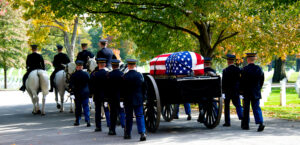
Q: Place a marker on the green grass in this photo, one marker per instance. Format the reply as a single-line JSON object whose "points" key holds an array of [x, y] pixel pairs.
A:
{"points": [[291, 111], [293, 77]]}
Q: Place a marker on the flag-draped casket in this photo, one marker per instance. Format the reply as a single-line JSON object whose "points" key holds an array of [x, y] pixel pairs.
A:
{"points": [[178, 63]]}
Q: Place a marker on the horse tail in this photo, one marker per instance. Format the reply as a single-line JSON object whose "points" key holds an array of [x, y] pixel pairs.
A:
{"points": [[44, 81]]}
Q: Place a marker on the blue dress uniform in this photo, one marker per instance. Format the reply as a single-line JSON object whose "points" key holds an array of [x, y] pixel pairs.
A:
{"points": [[252, 79], [84, 55], [187, 109], [59, 59], [134, 97], [105, 53], [115, 83], [98, 85], [79, 85], [230, 86], [33, 61]]}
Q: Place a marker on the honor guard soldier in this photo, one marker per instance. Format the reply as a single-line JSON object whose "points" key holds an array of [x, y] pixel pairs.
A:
{"points": [[99, 88], [133, 82], [105, 53], [230, 87], [115, 81], [33, 61], [84, 55], [79, 86], [187, 109], [252, 80], [59, 61]]}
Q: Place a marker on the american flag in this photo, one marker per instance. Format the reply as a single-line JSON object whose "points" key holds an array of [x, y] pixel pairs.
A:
{"points": [[178, 63]]}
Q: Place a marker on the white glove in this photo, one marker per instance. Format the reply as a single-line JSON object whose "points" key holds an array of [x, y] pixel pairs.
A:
{"points": [[105, 104], [91, 100], [72, 97], [223, 96], [121, 104], [241, 97]]}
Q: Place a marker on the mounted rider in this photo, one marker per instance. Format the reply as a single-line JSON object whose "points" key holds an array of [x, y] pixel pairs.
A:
{"points": [[84, 55], [33, 61], [105, 52], [59, 60]]}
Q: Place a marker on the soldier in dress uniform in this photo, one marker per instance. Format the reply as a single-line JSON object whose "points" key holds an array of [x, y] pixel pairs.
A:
{"points": [[230, 87], [79, 86], [99, 88], [208, 71], [84, 55], [105, 52], [134, 96], [33, 61], [252, 80], [187, 109], [115, 84], [59, 60]]}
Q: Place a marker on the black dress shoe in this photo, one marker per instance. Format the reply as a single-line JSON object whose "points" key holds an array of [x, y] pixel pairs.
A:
{"points": [[261, 128], [97, 129], [51, 90], [22, 88], [76, 124], [175, 117], [127, 136], [143, 137], [226, 124], [111, 132], [245, 127], [189, 117], [88, 124]]}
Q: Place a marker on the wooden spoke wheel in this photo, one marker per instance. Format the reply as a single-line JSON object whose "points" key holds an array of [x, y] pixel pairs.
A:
{"points": [[169, 111], [152, 106], [212, 112]]}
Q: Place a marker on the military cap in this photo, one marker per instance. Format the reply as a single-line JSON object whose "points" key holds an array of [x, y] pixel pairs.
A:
{"points": [[34, 46], [101, 60], [79, 62], [84, 44], [103, 40], [207, 59], [251, 54], [115, 62], [131, 61], [230, 57], [59, 46]]}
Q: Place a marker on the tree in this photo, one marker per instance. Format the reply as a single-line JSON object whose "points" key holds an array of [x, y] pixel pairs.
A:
{"points": [[13, 38]]}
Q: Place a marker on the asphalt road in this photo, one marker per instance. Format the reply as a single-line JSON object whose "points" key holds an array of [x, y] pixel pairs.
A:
{"points": [[18, 126]]}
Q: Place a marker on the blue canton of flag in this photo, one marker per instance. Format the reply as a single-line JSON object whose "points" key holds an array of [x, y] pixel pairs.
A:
{"points": [[179, 63]]}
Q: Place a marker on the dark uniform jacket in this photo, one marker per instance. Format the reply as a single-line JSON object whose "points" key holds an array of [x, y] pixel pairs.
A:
{"points": [[115, 85], [35, 61], [79, 84], [106, 53], [231, 81], [83, 56], [98, 85], [252, 80], [133, 83], [59, 59]]}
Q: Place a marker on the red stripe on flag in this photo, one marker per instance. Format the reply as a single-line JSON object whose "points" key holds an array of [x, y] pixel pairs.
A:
{"points": [[158, 72], [199, 60], [158, 63], [199, 72]]}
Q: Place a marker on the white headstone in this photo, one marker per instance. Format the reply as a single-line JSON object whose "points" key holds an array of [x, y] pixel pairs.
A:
{"points": [[283, 92]]}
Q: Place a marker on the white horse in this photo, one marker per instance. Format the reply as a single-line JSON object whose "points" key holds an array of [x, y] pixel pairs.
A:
{"points": [[37, 81], [61, 85]]}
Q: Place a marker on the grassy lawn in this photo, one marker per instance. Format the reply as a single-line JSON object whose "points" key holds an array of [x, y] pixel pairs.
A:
{"points": [[272, 107], [293, 77]]}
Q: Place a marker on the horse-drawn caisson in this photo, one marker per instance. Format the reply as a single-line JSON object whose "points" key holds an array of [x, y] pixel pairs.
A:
{"points": [[178, 78]]}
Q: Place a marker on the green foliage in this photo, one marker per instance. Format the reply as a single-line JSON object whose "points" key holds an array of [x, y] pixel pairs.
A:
{"points": [[13, 38]]}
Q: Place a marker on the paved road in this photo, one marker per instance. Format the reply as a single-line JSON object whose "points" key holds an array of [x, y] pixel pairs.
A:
{"points": [[18, 126]]}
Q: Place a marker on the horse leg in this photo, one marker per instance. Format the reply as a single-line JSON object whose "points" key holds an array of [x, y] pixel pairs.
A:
{"points": [[56, 98], [43, 105], [33, 103], [62, 100], [71, 105], [38, 111]]}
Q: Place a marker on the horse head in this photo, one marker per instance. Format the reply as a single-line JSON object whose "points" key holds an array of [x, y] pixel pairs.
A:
{"points": [[70, 68]]}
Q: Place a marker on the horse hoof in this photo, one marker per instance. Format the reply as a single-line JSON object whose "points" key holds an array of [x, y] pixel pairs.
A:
{"points": [[43, 114], [58, 106], [33, 113], [71, 111], [61, 111], [38, 112]]}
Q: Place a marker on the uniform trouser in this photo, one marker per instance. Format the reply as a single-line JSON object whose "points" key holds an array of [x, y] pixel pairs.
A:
{"points": [[107, 115], [52, 77], [187, 108], [25, 77], [98, 105], [140, 121], [237, 103], [115, 110], [79, 104], [256, 111]]}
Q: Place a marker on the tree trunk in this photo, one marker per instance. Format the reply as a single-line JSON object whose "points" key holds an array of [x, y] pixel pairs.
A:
{"points": [[5, 77], [73, 39], [298, 63], [279, 70]]}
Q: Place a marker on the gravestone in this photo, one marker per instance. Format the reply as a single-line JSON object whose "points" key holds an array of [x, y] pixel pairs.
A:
{"points": [[283, 92]]}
